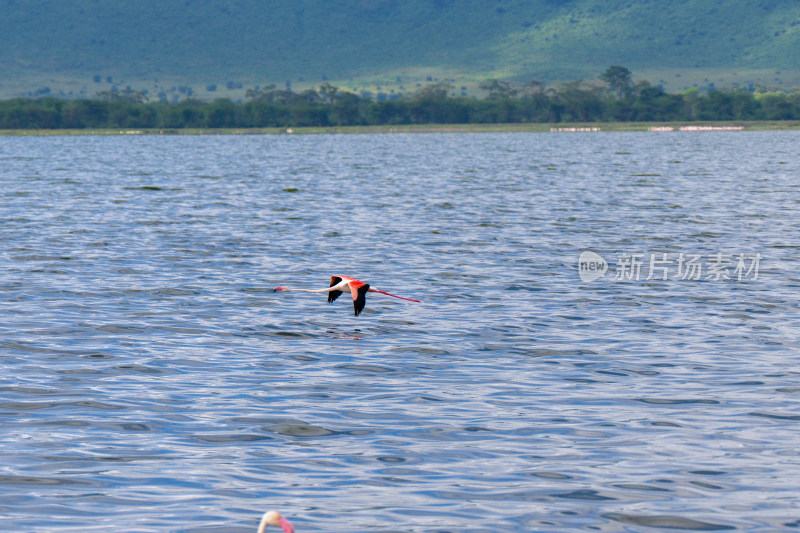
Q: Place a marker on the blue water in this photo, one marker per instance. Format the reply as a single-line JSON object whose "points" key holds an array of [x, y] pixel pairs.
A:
{"points": [[152, 381]]}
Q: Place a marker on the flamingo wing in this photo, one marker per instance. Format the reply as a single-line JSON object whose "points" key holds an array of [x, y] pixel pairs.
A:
{"points": [[335, 280], [359, 291]]}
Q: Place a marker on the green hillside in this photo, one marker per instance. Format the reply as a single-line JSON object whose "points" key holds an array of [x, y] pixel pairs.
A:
{"points": [[174, 46]]}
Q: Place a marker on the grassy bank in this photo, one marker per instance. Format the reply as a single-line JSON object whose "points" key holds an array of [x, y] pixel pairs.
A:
{"points": [[430, 128]]}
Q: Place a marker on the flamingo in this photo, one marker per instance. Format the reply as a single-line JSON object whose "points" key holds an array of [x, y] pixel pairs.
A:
{"points": [[358, 289], [273, 518]]}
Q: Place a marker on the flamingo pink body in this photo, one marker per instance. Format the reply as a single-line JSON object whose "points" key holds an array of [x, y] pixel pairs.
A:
{"points": [[273, 518], [358, 290]]}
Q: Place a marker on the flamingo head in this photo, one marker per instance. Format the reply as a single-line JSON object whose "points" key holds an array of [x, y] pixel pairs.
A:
{"points": [[273, 518], [280, 289]]}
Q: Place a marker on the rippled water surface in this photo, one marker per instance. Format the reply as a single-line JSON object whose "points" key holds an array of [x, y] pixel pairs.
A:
{"points": [[152, 381]]}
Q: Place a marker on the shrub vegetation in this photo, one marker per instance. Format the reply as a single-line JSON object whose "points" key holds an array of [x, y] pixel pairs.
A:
{"points": [[620, 100]]}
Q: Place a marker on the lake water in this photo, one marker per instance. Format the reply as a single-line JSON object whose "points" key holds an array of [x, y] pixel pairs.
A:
{"points": [[151, 380]]}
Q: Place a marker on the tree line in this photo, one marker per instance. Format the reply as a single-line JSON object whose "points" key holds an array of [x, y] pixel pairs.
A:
{"points": [[617, 99]]}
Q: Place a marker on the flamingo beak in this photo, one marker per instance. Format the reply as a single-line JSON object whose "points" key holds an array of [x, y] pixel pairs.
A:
{"points": [[286, 526]]}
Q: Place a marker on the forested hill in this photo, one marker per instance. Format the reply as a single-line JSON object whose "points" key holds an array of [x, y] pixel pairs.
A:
{"points": [[205, 45]]}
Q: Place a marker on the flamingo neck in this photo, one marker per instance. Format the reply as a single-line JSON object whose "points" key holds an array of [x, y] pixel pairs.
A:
{"points": [[328, 289]]}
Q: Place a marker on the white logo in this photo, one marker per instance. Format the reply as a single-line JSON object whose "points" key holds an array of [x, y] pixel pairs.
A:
{"points": [[670, 266], [591, 266]]}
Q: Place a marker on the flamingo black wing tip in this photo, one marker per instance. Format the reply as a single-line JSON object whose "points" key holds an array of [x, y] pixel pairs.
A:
{"points": [[333, 295], [361, 301]]}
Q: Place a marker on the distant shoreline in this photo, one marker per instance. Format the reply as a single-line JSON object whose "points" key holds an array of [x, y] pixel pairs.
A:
{"points": [[585, 127]]}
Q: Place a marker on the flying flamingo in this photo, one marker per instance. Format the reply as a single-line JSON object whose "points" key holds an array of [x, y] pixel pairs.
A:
{"points": [[273, 518], [358, 289]]}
